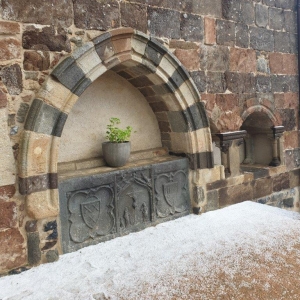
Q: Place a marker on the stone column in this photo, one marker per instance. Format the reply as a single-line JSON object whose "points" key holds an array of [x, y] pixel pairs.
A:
{"points": [[276, 135], [248, 150]]}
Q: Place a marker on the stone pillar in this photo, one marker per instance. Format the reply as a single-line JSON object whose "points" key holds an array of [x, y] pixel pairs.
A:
{"points": [[229, 143], [248, 150], [276, 135]]}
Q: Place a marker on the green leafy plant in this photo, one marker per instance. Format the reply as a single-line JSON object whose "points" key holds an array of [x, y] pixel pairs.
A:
{"points": [[115, 134]]}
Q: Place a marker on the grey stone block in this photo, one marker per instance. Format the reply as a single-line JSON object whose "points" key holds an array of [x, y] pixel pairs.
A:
{"points": [[261, 15], [286, 4], [197, 117], [179, 76], [276, 18], [158, 16], [212, 201], [178, 121], [240, 82], [199, 79], [12, 78], [191, 27], [262, 39], [155, 51], [52, 256], [231, 10], [242, 35], [225, 33], [290, 21], [293, 43], [284, 83], [271, 3], [217, 58], [247, 14], [34, 252], [263, 84], [216, 82], [263, 65], [282, 42]]}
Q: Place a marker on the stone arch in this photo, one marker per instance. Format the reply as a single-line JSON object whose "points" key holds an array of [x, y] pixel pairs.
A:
{"points": [[148, 66]]}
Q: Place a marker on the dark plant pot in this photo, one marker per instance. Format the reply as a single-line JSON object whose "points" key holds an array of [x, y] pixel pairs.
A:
{"points": [[116, 154]]}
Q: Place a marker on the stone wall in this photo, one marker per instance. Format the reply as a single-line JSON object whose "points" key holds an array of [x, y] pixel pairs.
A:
{"points": [[241, 54]]}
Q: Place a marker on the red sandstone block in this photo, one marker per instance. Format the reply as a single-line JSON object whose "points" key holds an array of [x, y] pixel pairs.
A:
{"points": [[279, 100], [227, 101], [210, 100], [242, 60], [189, 58], [283, 63], [290, 100], [8, 215], [291, 139], [210, 31], [7, 191], [276, 63], [9, 27], [10, 48]]}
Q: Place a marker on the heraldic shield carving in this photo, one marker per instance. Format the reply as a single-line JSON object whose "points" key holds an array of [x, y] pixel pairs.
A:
{"points": [[102, 206]]}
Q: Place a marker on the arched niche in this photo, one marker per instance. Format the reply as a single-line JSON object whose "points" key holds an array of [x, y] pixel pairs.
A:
{"points": [[150, 68]]}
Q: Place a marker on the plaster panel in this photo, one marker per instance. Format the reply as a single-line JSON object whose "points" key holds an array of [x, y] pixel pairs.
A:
{"points": [[109, 96], [7, 165]]}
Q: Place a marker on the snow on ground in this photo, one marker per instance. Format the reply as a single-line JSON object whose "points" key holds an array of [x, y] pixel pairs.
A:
{"points": [[170, 261]]}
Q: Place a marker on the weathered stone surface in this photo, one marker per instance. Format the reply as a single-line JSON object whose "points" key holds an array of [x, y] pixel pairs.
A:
{"points": [[200, 7], [212, 201], [134, 15], [158, 16], [262, 64], [240, 82], [3, 99], [276, 18], [216, 82], [294, 178], [22, 112], [242, 60], [183, 45], [225, 33], [191, 27], [271, 3], [31, 226], [284, 83], [292, 158], [231, 10], [9, 27], [291, 139], [10, 48], [34, 252], [210, 31], [7, 192], [293, 43], [262, 187], [235, 194], [263, 84], [217, 58], [247, 14], [282, 42], [290, 21], [286, 4], [36, 60], [12, 78], [281, 182], [46, 12], [242, 35], [288, 203], [45, 39], [189, 58], [199, 79], [261, 15], [8, 213], [283, 63], [288, 118], [12, 250], [261, 39], [227, 101], [52, 256]]}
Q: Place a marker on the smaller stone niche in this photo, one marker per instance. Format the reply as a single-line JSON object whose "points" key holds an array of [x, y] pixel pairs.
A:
{"points": [[263, 143]]}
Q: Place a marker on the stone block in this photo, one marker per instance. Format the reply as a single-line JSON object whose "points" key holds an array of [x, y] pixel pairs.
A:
{"points": [[262, 187], [242, 60], [293, 43], [262, 39], [189, 58], [290, 100], [294, 177], [7, 192], [199, 79], [101, 15], [240, 82], [9, 28], [134, 16], [200, 7], [235, 194], [281, 182], [227, 101], [283, 63], [225, 33], [218, 184], [290, 21], [45, 39], [247, 12], [212, 201], [292, 158], [282, 42], [36, 60], [158, 16], [191, 27], [202, 160], [262, 63], [34, 252], [210, 37], [216, 82], [10, 48], [242, 35], [284, 83], [261, 15], [288, 118], [46, 12], [217, 58], [231, 10], [52, 256], [12, 250], [271, 3], [276, 18], [8, 213], [286, 4], [263, 84], [183, 45], [291, 139]]}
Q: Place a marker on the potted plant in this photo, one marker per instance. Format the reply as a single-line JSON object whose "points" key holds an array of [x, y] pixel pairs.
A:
{"points": [[117, 150]]}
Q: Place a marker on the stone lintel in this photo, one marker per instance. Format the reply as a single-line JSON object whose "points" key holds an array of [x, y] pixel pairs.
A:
{"points": [[231, 135]]}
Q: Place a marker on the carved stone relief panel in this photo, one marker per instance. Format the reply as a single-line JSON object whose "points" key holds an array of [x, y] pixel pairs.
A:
{"points": [[99, 207]]}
